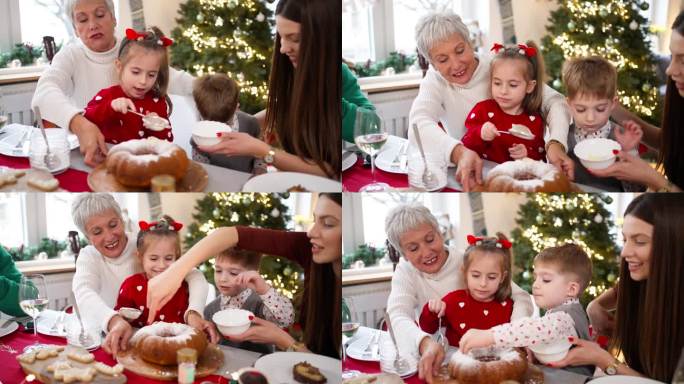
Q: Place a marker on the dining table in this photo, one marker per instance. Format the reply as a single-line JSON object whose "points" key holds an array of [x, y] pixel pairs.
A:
{"points": [[75, 178], [350, 364], [12, 345], [359, 174]]}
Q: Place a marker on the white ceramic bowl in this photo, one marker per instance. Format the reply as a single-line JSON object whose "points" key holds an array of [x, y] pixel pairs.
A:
{"points": [[130, 313], [597, 153], [204, 132], [551, 352], [232, 321]]}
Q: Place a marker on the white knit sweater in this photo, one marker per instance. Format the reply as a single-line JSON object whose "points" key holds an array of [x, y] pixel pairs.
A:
{"points": [[411, 290], [98, 278], [77, 74], [439, 100]]}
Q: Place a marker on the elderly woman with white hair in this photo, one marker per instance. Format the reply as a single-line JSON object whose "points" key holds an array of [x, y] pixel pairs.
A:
{"points": [[427, 270], [458, 79], [109, 259], [81, 69]]}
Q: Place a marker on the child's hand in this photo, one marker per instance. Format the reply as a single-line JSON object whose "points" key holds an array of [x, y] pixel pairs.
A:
{"points": [[253, 280], [489, 131], [123, 105], [476, 338], [517, 151], [437, 307], [196, 321], [630, 137]]}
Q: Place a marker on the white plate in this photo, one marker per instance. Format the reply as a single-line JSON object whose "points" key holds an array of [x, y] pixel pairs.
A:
{"points": [[13, 133], [47, 319], [620, 379], [282, 181], [349, 161], [8, 329], [356, 348], [389, 152], [278, 366]]}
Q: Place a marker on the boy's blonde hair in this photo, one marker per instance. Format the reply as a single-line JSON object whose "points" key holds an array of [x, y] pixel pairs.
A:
{"points": [[591, 76], [569, 259], [216, 97]]}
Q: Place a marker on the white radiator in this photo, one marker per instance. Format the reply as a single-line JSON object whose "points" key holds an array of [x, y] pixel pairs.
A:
{"points": [[394, 109], [59, 289], [16, 100], [368, 302]]}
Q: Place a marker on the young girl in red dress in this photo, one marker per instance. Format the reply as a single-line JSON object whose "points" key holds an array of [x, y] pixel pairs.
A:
{"points": [[143, 69], [516, 91], [487, 300], [158, 246]]}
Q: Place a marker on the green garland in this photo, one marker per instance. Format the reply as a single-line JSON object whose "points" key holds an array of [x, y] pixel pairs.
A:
{"points": [[399, 61], [50, 246], [25, 52], [368, 254]]}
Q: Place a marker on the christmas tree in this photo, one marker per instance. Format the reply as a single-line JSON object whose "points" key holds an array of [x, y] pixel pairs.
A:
{"points": [[227, 36], [548, 220], [615, 30], [252, 209]]}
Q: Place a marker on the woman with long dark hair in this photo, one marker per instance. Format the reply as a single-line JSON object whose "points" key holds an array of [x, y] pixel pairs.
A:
{"points": [[648, 300], [670, 138], [318, 251], [303, 115]]}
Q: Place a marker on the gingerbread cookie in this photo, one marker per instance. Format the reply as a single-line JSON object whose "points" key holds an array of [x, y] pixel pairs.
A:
{"points": [[58, 366], [108, 370], [42, 180], [84, 358], [73, 375]]}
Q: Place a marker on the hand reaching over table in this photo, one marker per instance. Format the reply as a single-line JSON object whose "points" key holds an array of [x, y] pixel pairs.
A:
{"points": [[237, 143], [91, 140]]}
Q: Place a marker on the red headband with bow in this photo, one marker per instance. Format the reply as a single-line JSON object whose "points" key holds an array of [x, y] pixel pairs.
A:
{"points": [[524, 49], [500, 243], [132, 34], [145, 226]]}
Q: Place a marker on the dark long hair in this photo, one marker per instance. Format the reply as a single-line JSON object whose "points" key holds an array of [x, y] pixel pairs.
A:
{"points": [[323, 325], [304, 109], [671, 157], [650, 313]]}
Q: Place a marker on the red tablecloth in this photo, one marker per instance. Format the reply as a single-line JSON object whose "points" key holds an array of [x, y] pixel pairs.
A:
{"points": [[71, 179], [373, 367], [13, 345], [357, 176]]}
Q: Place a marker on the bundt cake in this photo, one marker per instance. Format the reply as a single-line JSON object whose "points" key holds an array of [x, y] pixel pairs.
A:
{"points": [[133, 163], [526, 175], [487, 365], [158, 343]]}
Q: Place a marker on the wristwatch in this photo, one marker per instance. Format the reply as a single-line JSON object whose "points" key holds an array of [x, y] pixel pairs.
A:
{"points": [[270, 156], [612, 368]]}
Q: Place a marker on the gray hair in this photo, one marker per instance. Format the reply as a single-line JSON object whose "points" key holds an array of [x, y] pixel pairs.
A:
{"points": [[439, 26], [87, 205], [71, 4], [404, 218]]}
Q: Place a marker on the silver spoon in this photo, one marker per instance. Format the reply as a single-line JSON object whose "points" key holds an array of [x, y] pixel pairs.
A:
{"points": [[51, 160], [155, 123], [441, 339], [521, 131], [428, 178]]}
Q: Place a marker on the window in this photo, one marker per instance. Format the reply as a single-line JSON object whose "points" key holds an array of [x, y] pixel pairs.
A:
{"points": [[12, 222]]}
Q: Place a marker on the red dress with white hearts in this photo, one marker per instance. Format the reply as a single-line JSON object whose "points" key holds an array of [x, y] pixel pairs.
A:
{"points": [[497, 149], [118, 127], [133, 294], [463, 312]]}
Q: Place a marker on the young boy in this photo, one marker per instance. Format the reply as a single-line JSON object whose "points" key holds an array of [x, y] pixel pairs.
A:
{"points": [[591, 84], [216, 97], [560, 276], [241, 287]]}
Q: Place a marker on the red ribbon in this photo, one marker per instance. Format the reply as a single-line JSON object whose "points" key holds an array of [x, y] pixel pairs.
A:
{"points": [[145, 226], [529, 51], [132, 34], [496, 47], [473, 240]]}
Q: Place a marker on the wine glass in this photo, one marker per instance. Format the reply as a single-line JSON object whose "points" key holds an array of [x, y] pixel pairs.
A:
{"points": [[3, 116], [33, 299], [350, 326], [370, 134]]}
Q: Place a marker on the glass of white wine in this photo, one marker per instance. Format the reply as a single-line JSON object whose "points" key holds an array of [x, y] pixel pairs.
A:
{"points": [[350, 325], [33, 299], [370, 134]]}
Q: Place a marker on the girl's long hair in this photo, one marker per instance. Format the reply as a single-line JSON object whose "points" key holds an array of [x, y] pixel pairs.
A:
{"points": [[671, 156], [304, 110], [534, 70], [648, 328]]}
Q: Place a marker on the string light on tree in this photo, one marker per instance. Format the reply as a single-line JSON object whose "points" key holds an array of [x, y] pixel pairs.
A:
{"points": [[549, 220]]}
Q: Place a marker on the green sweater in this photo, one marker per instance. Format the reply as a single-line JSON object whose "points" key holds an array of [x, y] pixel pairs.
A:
{"points": [[352, 98], [10, 277]]}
